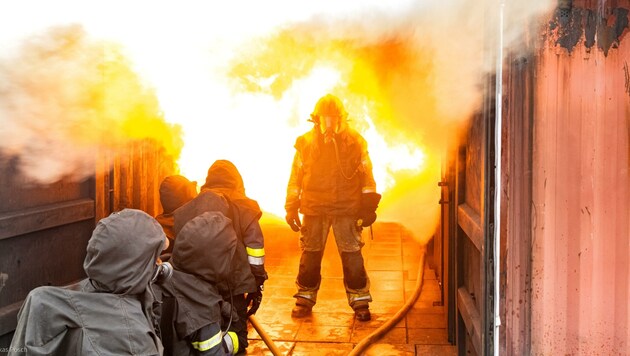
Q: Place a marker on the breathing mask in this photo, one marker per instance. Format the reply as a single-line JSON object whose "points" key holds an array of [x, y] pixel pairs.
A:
{"points": [[329, 126], [330, 115], [163, 272]]}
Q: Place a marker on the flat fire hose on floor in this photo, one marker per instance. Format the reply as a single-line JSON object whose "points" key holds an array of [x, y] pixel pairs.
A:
{"points": [[264, 336], [380, 332], [375, 335]]}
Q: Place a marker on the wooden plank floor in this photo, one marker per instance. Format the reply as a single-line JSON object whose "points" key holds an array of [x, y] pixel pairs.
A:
{"points": [[392, 260]]}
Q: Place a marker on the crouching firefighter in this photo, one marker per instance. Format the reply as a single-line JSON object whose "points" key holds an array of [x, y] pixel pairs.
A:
{"points": [[224, 192], [110, 312], [175, 191], [201, 261], [332, 185]]}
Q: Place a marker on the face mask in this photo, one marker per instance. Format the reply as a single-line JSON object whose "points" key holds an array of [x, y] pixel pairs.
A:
{"points": [[329, 125]]}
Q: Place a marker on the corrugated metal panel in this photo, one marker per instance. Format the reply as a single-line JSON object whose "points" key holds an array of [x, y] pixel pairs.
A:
{"points": [[133, 180], [581, 197], [516, 198], [44, 229], [43, 233]]}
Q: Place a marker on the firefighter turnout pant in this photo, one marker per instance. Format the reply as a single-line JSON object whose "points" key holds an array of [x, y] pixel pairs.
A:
{"points": [[313, 236]]}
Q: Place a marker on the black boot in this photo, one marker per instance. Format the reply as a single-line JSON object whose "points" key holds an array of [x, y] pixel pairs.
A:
{"points": [[363, 313], [303, 307]]}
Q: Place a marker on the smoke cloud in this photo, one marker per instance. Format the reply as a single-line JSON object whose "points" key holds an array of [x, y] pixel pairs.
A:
{"points": [[66, 99], [240, 79]]}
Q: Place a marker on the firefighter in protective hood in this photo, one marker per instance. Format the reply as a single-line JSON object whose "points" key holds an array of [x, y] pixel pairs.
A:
{"points": [[224, 192], [332, 185], [175, 191], [110, 312], [204, 322]]}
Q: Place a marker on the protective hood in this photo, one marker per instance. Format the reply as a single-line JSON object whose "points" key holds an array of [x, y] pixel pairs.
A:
{"points": [[176, 191], [207, 200], [122, 252], [224, 176], [205, 247]]}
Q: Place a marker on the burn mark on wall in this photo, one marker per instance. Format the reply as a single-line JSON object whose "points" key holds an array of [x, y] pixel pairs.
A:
{"points": [[601, 27], [626, 76]]}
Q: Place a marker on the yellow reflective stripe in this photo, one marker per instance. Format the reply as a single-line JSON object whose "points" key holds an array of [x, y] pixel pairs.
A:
{"points": [[256, 252], [207, 344], [234, 338]]}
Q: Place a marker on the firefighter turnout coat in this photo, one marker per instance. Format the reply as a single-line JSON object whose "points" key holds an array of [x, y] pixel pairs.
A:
{"points": [[110, 312]]}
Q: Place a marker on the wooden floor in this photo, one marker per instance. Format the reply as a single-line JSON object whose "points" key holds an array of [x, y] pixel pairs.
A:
{"points": [[392, 260]]}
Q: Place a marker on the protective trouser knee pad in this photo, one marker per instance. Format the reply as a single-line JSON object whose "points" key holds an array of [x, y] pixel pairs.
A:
{"points": [[354, 274], [310, 267]]}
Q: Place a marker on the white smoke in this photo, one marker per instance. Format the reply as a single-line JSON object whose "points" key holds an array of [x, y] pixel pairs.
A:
{"points": [[44, 91], [183, 49]]}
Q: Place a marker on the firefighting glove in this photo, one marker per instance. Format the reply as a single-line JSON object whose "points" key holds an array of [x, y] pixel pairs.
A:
{"points": [[367, 213], [253, 301], [366, 219], [293, 219]]}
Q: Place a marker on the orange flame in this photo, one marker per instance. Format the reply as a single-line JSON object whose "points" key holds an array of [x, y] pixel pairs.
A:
{"points": [[408, 72], [385, 90]]}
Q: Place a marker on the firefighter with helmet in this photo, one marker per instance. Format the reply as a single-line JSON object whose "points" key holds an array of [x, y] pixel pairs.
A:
{"points": [[331, 185]]}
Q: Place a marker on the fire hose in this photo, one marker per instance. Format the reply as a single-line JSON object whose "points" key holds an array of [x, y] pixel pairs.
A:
{"points": [[375, 335], [264, 336], [381, 331]]}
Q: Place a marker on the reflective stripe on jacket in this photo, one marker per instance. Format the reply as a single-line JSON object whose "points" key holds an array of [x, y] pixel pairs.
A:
{"points": [[211, 341]]}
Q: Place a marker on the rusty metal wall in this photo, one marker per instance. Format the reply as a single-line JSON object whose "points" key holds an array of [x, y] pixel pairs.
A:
{"points": [[132, 180], [471, 246], [581, 187], [43, 233], [516, 197], [44, 229]]}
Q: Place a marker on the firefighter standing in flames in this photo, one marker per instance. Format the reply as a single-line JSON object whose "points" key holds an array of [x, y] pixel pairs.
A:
{"points": [[332, 185]]}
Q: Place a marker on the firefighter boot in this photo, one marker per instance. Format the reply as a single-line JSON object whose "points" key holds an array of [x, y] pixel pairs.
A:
{"points": [[362, 311], [307, 281], [303, 307]]}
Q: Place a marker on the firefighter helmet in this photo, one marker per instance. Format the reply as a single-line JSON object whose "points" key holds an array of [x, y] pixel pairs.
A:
{"points": [[329, 114]]}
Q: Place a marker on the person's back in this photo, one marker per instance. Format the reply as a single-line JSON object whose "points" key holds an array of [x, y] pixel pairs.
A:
{"points": [[110, 312], [223, 178], [223, 191], [201, 260]]}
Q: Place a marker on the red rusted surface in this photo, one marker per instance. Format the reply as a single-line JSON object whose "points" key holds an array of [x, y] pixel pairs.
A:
{"points": [[581, 201]]}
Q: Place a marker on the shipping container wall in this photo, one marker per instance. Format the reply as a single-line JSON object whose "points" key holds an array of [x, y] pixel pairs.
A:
{"points": [[580, 185], [44, 228], [516, 198], [132, 180]]}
